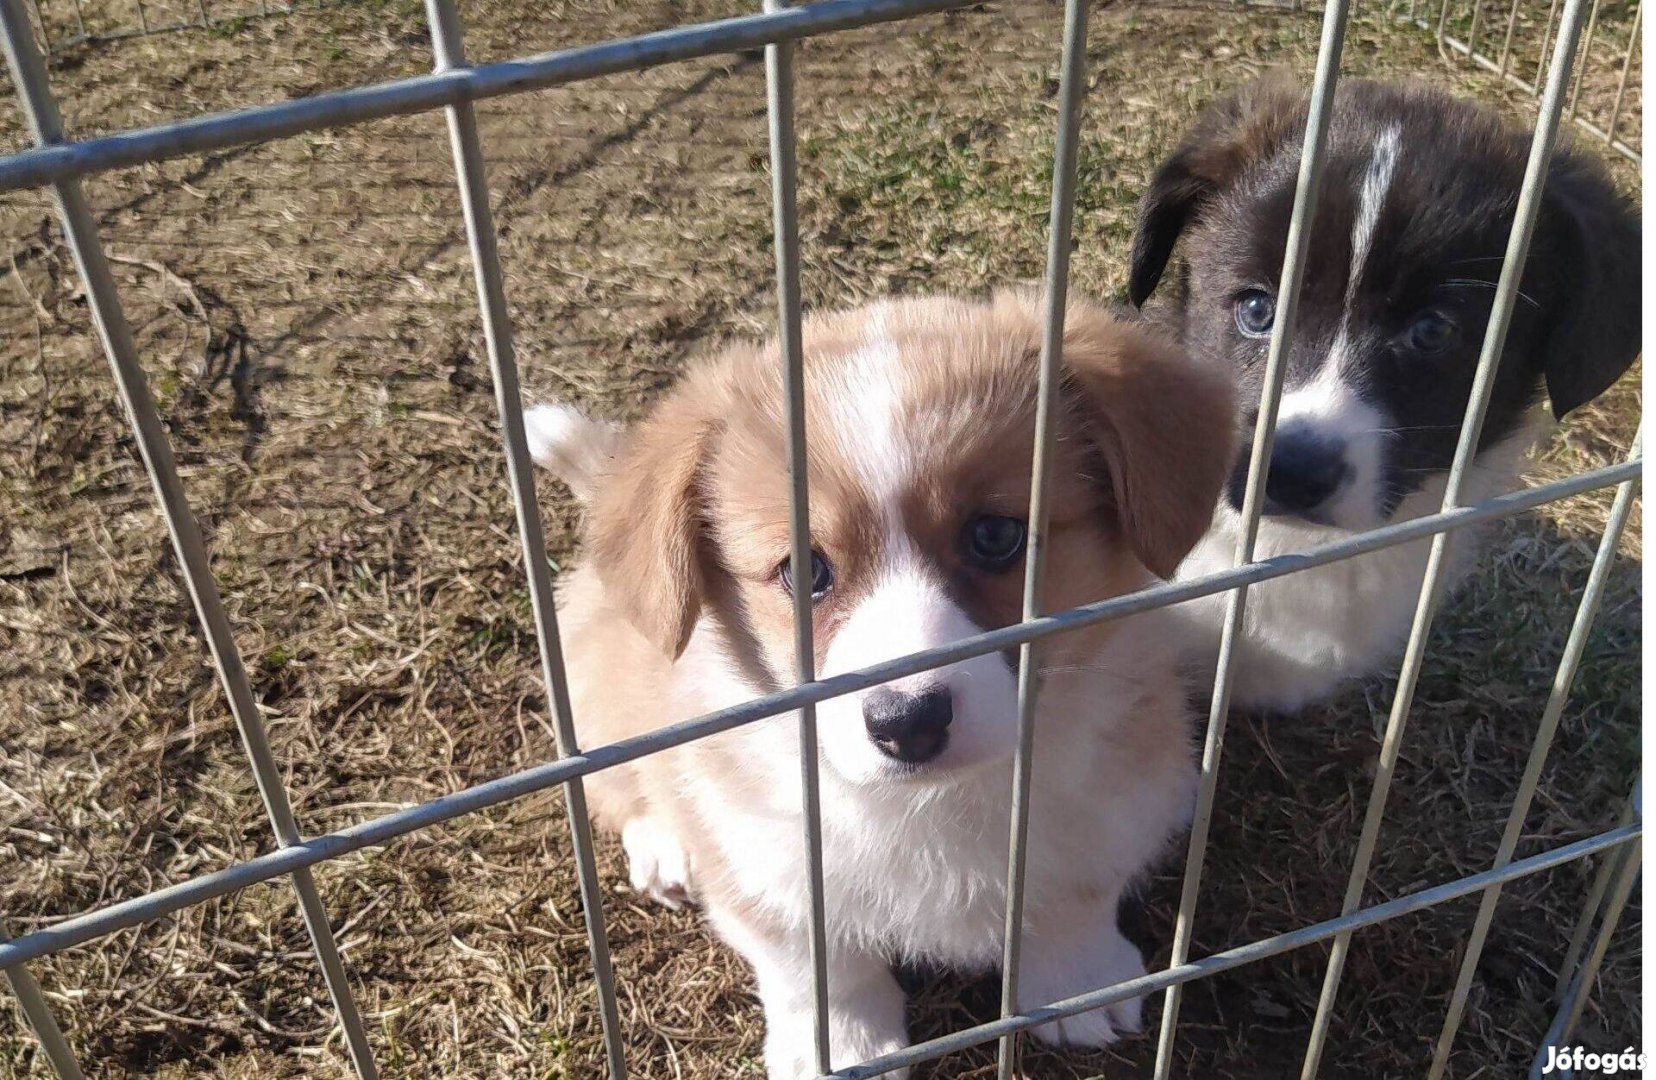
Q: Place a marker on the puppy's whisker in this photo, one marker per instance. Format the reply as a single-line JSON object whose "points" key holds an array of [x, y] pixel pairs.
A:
{"points": [[1091, 669], [1477, 259], [1417, 427], [1482, 284]]}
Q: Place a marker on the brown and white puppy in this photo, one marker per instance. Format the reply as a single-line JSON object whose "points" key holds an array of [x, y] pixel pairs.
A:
{"points": [[1417, 200], [920, 435]]}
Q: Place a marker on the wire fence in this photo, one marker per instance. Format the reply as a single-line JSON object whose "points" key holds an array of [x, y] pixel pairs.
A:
{"points": [[1521, 33], [453, 86], [1524, 29], [1612, 40], [67, 24]]}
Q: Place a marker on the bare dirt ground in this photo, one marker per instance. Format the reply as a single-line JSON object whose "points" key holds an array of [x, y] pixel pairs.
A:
{"points": [[306, 316]]}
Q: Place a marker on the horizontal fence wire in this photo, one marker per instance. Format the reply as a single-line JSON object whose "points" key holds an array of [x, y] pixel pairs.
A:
{"points": [[128, 913], [425, 93], [215, 17]]}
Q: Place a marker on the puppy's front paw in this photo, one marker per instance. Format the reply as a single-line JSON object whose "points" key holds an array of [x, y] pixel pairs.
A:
{"points": [[794, 1057], [858, 1038], [1053, 976], [857, 1032], [656, 864]]}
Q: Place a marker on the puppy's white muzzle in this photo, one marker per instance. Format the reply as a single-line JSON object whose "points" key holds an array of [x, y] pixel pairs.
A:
{"points": [[1327, 461], [948, 718]]}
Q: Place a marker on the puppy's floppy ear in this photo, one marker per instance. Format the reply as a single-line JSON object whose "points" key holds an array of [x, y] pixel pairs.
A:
{"points": [[1165, 208], [1163, 426], [647, 524], [1595, 334], [1230, 134]]}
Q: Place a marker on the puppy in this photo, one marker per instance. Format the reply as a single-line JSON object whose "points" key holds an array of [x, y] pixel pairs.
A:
{"points": [[920, 435], [1417, 200]]}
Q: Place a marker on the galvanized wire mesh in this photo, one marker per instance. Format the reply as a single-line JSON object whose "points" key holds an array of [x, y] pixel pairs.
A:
{"points": [[454, 86]]}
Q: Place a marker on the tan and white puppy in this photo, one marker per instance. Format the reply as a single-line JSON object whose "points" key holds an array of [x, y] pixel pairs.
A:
{"points": [[920, 435]]}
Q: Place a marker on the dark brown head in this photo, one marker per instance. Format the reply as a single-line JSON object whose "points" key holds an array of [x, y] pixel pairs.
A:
{"points": [[1417, 200]]}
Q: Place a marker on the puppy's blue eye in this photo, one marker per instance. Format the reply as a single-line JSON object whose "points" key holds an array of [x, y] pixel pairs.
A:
{"points": [[993, 542], [1431, 334], [1255, 312], [822, 575]]}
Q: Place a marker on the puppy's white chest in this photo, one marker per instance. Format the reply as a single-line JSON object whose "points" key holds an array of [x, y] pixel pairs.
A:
{"points": [[921, 873], [922, 877], [1308, 632]]}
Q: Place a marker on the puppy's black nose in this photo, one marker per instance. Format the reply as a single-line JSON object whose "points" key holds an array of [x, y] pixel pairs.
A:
{"points": [[1306, 470], [909, 727]]}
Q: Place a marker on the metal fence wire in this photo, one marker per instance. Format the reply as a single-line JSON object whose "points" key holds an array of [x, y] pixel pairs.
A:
{"points": [[1460, 27], [60, 164]]}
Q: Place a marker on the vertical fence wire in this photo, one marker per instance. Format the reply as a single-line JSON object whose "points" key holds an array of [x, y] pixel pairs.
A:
{"points": [[81, 233], [1622, 867], [1574, 647], [41, 1021], [1627, 67], [779, 89], [1318, 118], [471, 173], [1602, 877], [1072, 85], [1586, 55], [1575, 1000], [40, 19], [1506, 43], [1506, 295], [1546, 39], [1472, 31], [1501, 66]]}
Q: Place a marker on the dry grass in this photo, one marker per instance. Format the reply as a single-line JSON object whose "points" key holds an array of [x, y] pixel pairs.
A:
{"points": [[306, 317]]}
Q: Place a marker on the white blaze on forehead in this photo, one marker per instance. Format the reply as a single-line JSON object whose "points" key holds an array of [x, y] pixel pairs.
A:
{"points": [[907, 606], [1371, 199], [1329, 405], [1377, 181], [866, 407], [907, 610]]}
